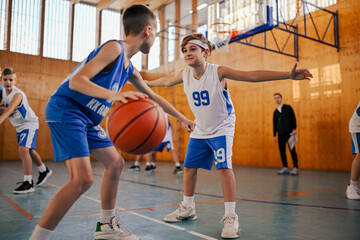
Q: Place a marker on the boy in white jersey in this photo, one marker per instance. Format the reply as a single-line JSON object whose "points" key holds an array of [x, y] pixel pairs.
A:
{"points": [[353, 191], [23, 118], [74, 113], [209, 99]]}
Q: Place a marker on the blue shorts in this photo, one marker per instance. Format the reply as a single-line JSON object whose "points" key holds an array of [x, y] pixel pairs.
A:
{"points": [[27, 138], [168, 145], [355, 142], [71, 140], [201, 153]]}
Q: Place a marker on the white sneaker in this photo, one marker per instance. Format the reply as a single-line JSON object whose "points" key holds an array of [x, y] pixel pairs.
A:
{"points": [[231, 226], [353, 193], [283, 171], [182, 213], [113, 230], [294, 172]]}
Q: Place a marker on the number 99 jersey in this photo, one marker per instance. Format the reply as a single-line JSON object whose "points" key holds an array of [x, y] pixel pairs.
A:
{"points": [[210, 103]]}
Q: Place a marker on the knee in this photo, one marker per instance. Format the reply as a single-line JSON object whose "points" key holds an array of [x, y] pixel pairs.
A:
{"points": [[83, 183], [23, 151], [118, 164]]}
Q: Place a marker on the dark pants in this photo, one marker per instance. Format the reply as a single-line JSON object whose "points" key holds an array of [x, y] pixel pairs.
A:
{"points": [[282, 140]]}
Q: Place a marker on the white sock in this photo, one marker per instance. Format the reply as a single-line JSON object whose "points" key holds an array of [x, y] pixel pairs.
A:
{"points": [[42, 168], [177, 164], [153, 164], [28, 178], [354, 184], [41, 233], [136, 163], [189, 201], [148, 164], [229, 207], [106, 215]]}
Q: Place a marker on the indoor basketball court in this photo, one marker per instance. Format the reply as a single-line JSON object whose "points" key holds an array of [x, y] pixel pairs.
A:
{"points": [[44, 40]]}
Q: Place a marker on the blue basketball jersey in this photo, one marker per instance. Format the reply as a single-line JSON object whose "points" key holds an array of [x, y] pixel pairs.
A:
{"points": [[67, 105], [1, 88]]}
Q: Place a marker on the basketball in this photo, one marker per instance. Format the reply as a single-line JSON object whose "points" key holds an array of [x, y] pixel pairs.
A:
{"points": [[137, 127]]}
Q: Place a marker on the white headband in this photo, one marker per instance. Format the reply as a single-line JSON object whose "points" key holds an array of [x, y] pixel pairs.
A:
{"points": [[199, 43]]}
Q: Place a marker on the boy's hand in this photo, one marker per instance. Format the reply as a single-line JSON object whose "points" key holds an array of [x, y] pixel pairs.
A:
{"points": [[188, 125], [122, 96], [300, 74]]}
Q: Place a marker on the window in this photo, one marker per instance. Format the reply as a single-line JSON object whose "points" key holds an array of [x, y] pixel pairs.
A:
{"points": [[25, 26], [136, 61], [3, 27], [170, 19], [56, 29], [84, 31], [154, 54], [110, 25]]}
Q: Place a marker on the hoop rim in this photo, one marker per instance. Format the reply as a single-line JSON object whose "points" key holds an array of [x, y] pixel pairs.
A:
{"points": [[222, 23]]}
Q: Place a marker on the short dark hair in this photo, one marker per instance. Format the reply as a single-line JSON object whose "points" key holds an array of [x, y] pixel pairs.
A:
{"points": [[137, 17], [277, 94], [7, 71]]}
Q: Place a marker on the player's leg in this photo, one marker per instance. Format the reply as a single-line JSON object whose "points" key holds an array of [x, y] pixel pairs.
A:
{"points": [[150, 164], [222, 148], [104, 151], [81, 178], [136, 165], [198, 155], [44, 172], [352, 190], [25, 140]]}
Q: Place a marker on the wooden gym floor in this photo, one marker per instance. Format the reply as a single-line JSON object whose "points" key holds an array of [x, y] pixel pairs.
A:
{"points": [[310, 206]]}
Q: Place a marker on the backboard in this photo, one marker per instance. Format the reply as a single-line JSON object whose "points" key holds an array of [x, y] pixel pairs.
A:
{"points": [[247, 18]]}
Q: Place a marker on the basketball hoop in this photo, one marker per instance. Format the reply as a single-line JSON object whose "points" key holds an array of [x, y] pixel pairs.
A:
{"points": [[220, 34]]}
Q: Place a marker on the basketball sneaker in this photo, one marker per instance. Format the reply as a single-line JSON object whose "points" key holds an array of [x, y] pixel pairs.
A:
{"points": [[183, 213], [25, 187], [113, 230], [283, 171], [231, 226], [134, 167], [294, 172], [43, 176], [353, 193], [178, 170], [148, 168]]}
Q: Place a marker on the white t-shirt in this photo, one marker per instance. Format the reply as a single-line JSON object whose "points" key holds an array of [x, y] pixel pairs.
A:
{"points": [[23, 117], [354, 124], [210, 103]]}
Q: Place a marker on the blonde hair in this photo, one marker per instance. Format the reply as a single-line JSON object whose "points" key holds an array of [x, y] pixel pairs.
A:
{"points": [[196, 36]]}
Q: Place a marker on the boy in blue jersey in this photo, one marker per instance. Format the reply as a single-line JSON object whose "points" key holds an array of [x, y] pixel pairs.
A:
{"points": [[75, 111], [209, 99], [16, 107]]}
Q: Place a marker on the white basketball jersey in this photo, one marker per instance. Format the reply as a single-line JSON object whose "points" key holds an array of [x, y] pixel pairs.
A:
{"points": [[23, 117], [210, 103], [354, 124], [168, 134]]}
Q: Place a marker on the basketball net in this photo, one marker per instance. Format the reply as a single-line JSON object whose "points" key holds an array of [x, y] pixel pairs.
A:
{"points": [[220, 35]]}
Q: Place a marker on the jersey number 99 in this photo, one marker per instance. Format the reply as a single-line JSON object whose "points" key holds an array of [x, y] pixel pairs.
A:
{"points": [[201, 98]]}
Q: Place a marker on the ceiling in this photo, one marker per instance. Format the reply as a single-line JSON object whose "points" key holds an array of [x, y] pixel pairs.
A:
{"points": [[185, 14]]}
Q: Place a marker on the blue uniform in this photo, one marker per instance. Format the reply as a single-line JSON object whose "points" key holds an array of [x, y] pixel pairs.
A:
{"points": [[1, 88], [74, 118]]}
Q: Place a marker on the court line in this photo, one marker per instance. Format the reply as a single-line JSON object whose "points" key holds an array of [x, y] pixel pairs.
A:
{"points": [[145, 217], [17, 207]]}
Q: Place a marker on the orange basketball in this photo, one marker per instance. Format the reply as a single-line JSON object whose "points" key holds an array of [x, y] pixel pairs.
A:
{"points": [[137, 127]]}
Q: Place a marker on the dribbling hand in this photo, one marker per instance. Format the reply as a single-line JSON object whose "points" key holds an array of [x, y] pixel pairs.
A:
{"points": [[300, 74]]}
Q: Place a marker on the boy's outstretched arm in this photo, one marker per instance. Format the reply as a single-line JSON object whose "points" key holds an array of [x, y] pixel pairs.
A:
{"points": [[262, 76], [166, 81], [137, 81], [16, 101], [81, 81]]}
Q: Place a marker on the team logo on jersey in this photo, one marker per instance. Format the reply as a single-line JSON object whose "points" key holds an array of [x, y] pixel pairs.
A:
{"points": [[114, 88], [101, 132]]}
